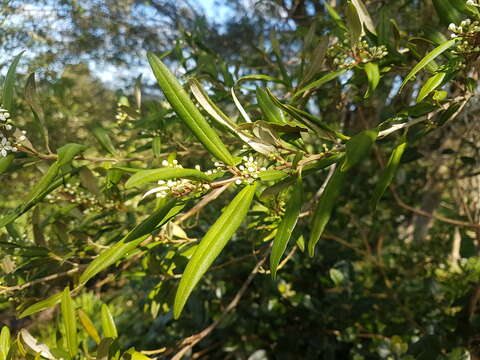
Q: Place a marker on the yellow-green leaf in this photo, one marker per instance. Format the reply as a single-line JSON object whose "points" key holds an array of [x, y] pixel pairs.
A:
{"points": [[147, 176], [269, 110], [212, 244], [285, 229], [129, 242], [431, 84], [108, 325], [358, 148], [427, 59], [9, 84], [317, 83], [104, 139], [4, 342], [324, 208], [69, 322], [373, 75], [187, 111], [42, 305], [88, 326], [388, 174]]}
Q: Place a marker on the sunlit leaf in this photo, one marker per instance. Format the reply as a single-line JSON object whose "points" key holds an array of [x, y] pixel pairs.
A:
{"points": [[188, 112], [108, 325], [69, 322], [373, 75], [431, 84], [41, 305], [212, 244]]}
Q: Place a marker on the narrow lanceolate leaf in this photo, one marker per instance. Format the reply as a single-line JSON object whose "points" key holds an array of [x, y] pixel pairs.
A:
{"points": [[259, 77], [354, 23], [427, 59], [358, 148], [388, 174], [212, 244], [41, 305], [9, 84], [32, 99], [128, 243], [364, 16], [147, 176], [240, 107], [373, 75], [431, 84], [88, 326], [269, 110], [157, 146], [188, 112], [4, 343], [108, 325], [317, 83], [104, 139], [219, 116], [5, 163], [285, 229], [324, 208], [69, 322]]}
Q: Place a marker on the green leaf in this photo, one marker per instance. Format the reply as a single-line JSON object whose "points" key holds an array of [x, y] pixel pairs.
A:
{"points": [[65, 155], [354, 23], [324, 208], [259, 77], [212, 244], [129, 242], [157, 146], [269, 110], [317, 83], [32, 99], [69, 322], [108, 325], [285, 229], [188, 112], [147, 176], [88, 326], [358, 147], [373, 75], [388, 174], [42, 305], [431, 84], [5, 163], [427, 59], [104, 139], [446, 12], [336, 276], [4, 342], [364, 16], [9, 84]]}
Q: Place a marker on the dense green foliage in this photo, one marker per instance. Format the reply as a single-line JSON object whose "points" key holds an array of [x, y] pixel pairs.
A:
{"points": [[311, 191]]}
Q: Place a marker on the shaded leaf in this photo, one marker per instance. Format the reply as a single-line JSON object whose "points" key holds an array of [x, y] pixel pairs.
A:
{"points": [[358, 148], [286, 226], [427, 59], [388, 174], [9, 84], [104, 139], [88, 326], [373, 75], [323, 211]]}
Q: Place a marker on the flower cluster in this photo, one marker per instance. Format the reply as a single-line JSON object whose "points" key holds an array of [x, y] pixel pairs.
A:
{"points": [[10, 137], [75, 194], [122, 116], [248, 171], [468, 33], [473, 3], [344, 56]]}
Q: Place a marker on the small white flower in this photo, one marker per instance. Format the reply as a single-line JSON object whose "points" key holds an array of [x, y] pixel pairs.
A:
{"points": [[5, 146], [238, 181], [164, 163]]}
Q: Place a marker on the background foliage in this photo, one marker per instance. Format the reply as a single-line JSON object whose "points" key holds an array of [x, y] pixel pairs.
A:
{"points": [[352, 125]]}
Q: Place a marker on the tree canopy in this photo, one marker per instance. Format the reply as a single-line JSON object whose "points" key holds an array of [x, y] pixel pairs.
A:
{"points": [[301, 180]]}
